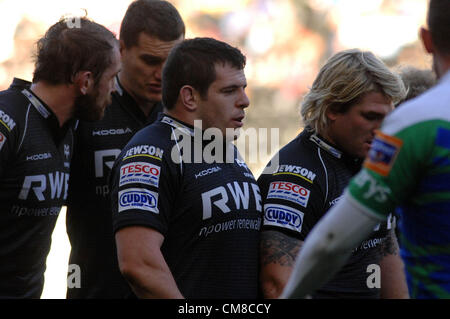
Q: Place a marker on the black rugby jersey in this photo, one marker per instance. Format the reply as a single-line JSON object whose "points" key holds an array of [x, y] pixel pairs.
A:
{"points": [[35, 156], [310, 177], [209, 214], [89, 224]]}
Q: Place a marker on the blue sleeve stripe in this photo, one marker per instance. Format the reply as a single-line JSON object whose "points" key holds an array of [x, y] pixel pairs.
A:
{"points": [[443, 137]]}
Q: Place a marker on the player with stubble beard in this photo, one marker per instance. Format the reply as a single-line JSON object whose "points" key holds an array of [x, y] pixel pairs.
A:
{"points": [[73, 79], [149, 30]]}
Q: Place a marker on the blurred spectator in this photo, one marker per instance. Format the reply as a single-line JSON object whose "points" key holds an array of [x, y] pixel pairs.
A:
{"points": [[416, 81]]}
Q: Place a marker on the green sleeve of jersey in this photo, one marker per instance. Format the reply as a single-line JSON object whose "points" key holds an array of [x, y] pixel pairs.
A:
{"points": [[396, 166]]}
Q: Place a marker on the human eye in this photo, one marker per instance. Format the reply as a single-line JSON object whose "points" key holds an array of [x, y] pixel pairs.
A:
{"points": [[151, 60]]}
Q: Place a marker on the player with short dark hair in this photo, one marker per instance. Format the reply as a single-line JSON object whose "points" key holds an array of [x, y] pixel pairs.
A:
{"points": [[36, 144], [149, 30], [186, 224]]}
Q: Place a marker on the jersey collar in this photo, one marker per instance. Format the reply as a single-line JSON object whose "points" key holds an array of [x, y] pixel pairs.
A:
{"points": [[185, 128], [128, 102], [325, 145], [38, 105], [52, 121]]}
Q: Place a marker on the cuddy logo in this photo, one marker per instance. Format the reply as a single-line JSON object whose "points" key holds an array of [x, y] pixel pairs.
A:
{"points": [[382, 154], [283, 216], [138, 198], [290, 192], [140, 172]]}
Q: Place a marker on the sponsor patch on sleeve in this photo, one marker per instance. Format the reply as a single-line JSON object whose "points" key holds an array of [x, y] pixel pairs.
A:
{"points": [[382, 154], [2, 140], [290, 192], [283, 216], [138, 198], [141, 173]]}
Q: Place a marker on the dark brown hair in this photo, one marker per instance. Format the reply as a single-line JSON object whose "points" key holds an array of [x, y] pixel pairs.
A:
{"points": [[193, 62], [155, 18], [439, 24], [72, 45]]}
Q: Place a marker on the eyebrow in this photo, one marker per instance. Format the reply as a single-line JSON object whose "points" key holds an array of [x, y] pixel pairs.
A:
{"points": [[151, 58], [233, 86]]}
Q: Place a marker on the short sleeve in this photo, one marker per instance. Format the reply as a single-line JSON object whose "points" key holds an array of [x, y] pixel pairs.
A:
{"points": [[144, 189]]}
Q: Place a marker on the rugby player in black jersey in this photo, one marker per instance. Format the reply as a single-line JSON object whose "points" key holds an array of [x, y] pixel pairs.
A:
{"points": [[73, 78], [149, 30], [351, 95], [187, 223]]}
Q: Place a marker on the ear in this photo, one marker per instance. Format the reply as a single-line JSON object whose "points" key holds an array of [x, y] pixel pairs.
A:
{"points": [[189, 97], [121, 47], [425, 35], [84, 81], [330, 114]]}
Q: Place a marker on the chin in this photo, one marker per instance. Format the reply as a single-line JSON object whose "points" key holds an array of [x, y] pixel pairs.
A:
{"points": [[153, 98]]}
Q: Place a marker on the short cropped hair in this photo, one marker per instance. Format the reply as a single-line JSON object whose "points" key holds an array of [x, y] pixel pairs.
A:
{"points": [[344, 79], [192, 62], [68, 48], [416, 81], [155, 18], [439, 24]]}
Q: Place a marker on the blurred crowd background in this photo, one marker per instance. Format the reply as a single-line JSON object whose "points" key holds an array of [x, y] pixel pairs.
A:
{"points": [[285, 41]]}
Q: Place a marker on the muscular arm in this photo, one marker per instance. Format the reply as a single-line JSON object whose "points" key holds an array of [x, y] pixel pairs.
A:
{"points": [[277, 257], [142, 263], [393, 281], [328, 247]]}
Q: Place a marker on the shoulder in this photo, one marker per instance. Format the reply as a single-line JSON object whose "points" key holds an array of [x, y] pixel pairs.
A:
{"points": [[298, 158], [13, 102], [152, 141], [13, 110]]}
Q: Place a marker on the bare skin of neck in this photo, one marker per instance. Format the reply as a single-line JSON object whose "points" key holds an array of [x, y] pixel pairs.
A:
{"points": [[145, 105]]}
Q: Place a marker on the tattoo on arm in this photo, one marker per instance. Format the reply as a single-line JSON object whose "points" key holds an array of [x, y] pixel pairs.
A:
{"points": [[390, 244], [279, 248]]}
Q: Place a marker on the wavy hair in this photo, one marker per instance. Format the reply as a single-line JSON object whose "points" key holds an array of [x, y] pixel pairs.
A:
{"points": [[344, 79]]}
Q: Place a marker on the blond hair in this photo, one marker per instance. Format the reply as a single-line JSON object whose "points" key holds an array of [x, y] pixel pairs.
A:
{"points": [[343, 81]]}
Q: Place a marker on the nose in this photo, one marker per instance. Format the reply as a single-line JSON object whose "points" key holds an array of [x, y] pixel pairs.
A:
{"points": [[158, 72], [243, 101]]}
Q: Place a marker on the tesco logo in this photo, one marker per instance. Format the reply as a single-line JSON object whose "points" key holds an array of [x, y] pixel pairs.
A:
{"points": [[140, 167], [140, 173], [290, 192], [136, 198], [287, 186]]}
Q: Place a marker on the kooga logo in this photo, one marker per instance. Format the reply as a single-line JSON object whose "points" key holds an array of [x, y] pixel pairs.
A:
{"points": [[119, 131], [138, 198]]}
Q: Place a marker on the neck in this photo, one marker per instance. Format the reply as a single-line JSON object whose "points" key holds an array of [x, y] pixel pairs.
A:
{"points": [[145, 105], [441, 64], [181, 116], [59, 98]]}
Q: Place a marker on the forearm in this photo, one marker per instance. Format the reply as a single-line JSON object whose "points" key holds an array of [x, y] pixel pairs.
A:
{"points": [[150, 282], [277, 258], [143, 265], [393, 279], [327, 247]]}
